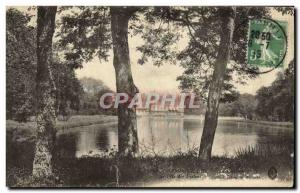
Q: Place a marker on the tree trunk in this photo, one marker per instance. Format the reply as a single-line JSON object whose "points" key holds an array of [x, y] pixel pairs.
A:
{"points": [[127, 125], [227, 16], [46, 115]]}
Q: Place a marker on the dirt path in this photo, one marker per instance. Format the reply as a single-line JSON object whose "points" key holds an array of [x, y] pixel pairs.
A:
{"points": [[219, 183]]}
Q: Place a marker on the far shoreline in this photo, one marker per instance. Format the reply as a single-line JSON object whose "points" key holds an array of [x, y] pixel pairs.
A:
{"points": [[86, 120], [26, 130]]}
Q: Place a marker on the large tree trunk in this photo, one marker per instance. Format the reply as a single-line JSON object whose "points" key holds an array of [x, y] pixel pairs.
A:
{"points": [[227, 16], [127, 125], [46, 115]]}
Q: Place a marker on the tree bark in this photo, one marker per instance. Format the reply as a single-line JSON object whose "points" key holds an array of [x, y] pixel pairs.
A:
{"points": [[127, 125], [46, 114], [227, 15]]}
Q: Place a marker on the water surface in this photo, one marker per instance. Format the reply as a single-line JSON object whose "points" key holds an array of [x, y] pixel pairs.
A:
{"points": [[167, 136]]}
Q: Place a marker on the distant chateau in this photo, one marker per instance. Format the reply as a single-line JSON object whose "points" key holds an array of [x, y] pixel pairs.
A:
{"points": [[159, 109]]}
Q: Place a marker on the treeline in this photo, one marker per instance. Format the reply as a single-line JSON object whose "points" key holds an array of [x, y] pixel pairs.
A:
{"points": [[73, 96], [272, 103], [93, 89]]}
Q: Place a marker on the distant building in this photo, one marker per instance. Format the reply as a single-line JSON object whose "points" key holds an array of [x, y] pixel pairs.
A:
{"points": [[159, 108]]}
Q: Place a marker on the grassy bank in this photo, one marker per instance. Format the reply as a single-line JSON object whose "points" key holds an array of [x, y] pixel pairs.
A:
{"points": [[74, 121], [113, 171], [25, 131], [266, 123], [242, 120]]}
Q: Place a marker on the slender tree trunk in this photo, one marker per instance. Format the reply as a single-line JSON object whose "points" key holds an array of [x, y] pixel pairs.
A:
{"points": [[46, 115], [127, 125], [227, 16]]}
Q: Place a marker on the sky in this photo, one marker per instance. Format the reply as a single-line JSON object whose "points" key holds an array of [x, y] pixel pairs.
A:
{"points": [[148, 77]]}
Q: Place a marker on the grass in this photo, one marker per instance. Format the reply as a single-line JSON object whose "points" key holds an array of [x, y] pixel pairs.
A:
{"points": [[113, 171], [74, 121], [242, 120], [267, 123], [26, 131]]}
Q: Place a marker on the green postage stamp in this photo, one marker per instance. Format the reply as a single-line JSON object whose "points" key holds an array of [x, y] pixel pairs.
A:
{"points": [[267, 43]]}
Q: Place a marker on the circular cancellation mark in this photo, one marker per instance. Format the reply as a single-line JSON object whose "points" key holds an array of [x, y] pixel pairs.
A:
{"points": [[266, 44]]}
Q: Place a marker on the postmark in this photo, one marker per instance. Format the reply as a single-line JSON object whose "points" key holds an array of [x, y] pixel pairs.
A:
{"points": [[266, 44]]}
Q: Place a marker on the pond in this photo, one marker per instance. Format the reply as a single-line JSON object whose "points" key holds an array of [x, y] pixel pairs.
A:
{"points": [[166, 136]]}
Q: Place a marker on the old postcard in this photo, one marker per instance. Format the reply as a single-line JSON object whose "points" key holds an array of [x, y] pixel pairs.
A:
{"points": [[139, 97]]}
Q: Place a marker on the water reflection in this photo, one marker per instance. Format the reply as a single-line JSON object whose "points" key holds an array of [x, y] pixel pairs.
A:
{"points": [[167, 136], [160, 135], [66, 145], [102, 140]]}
